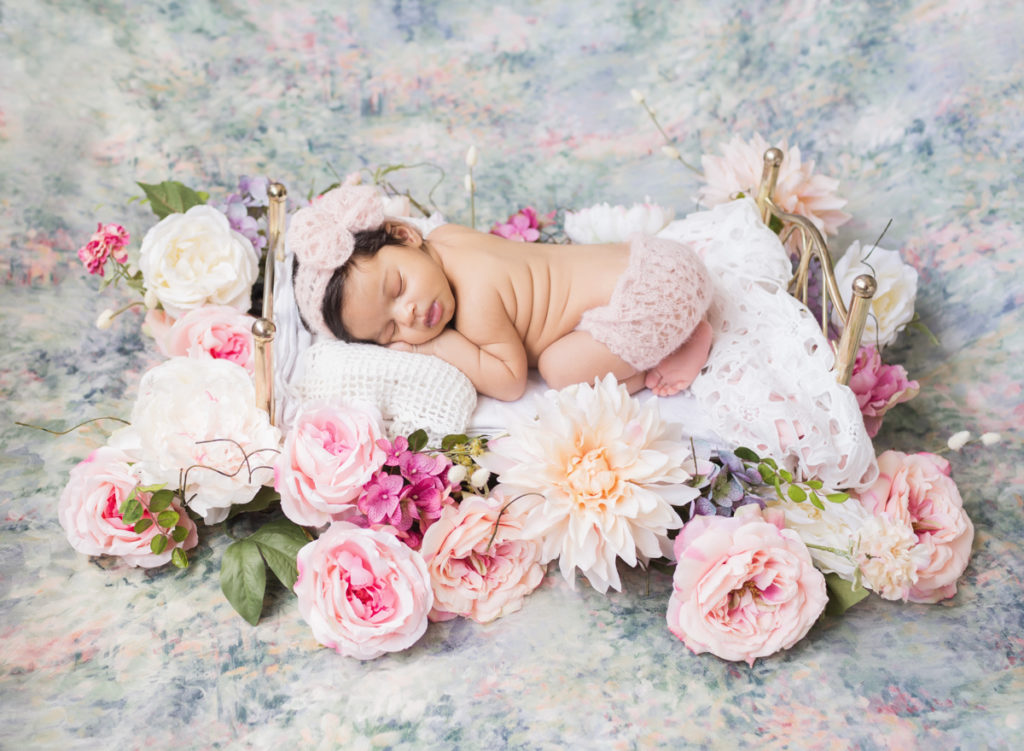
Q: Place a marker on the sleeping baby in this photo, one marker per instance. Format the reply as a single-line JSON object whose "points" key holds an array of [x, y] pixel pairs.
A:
{"points": [[494, 308]]}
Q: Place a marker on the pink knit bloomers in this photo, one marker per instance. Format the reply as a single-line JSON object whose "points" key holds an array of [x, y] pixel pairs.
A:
{"points": [[656, 304]]}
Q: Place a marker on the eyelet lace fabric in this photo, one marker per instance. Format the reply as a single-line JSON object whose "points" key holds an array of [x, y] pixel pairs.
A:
{"points": [[768, 383]]}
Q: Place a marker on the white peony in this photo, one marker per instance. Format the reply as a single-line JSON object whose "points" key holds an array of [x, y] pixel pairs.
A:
{"points": [[892, 307], [193, 259], [615, 224], [183, 403], [837, 527], [598, 473], [890, 556]]}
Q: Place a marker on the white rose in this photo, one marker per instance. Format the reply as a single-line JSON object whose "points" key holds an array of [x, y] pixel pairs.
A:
{"points": [[192, 259], [399, 206], [835, 527], [892, 307], [181, 404], [614, 224]]}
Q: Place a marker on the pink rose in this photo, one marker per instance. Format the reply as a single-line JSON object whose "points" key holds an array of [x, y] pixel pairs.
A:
{"points": [[879, 387], [743, 587], [330, 453], [219, 332], [480, 567], [89, 510], [362, 591], [917, 489]]}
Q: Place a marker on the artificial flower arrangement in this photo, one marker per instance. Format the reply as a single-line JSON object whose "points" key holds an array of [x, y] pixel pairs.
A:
{"points": [[379, 536]]}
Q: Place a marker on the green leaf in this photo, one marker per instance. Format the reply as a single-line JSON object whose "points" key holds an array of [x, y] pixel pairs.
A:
{"points": [[170, 197], [746, 454], [452, 440], [167, 519], [842, 595], [142, 525], [778, 489], [264, 497], [837, 497], [179, 558], [131, 511], [796, 493], [816, 501], [158, 544], [786, 475], [178, 534], [417, 440], [766, 472], [151, 488], [161, 501], [280, 541], [816, 484], [243, 579]]}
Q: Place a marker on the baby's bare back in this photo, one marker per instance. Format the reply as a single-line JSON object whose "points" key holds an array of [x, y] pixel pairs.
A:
{"points": [[544, 289]]}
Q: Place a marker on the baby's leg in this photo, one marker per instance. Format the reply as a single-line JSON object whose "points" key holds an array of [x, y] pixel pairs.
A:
{"points": [[678, 370], [578, 358]]}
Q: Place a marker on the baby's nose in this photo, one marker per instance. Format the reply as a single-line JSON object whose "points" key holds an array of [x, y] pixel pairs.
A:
{"points": [[409, 313]]}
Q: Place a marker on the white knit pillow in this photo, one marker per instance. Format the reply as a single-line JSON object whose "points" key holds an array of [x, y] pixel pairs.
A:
{"points": [[412, 391]]}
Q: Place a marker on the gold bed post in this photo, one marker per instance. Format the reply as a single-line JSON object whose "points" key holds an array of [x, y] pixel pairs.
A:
{"points": [[263, 329], [812, 243]]}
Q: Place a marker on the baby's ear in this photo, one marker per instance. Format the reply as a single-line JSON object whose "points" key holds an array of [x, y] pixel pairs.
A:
{"points": [[408, 234]]}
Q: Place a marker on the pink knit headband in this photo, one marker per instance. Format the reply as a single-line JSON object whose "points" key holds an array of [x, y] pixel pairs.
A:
{"points": [[321, 236]]}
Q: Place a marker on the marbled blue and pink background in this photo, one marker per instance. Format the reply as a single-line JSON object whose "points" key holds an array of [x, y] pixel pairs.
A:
{"points": [[917, 107]]}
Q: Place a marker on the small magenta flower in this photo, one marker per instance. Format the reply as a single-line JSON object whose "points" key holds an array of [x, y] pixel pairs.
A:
{"points": [[108, 241], [523, 226], [381, 500]]}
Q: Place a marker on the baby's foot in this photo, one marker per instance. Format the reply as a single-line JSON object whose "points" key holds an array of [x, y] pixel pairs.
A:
{"points": [[677, 371]]}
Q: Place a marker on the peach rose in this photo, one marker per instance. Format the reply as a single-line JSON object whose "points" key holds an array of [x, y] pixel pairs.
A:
{"points": [[89, 510], [220, 332], [362, 591], [744, 587], [480, 567], [918, 489], [330, 453]]}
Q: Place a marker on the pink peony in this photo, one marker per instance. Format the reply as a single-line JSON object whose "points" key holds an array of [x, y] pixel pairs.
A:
{"points": [[879, 387], [523, 226], [918, 489], [109, 240], [362, 591], [218, 332], [480, 566], [744, 587], [90, 512], [798, 191], [330, 453]]}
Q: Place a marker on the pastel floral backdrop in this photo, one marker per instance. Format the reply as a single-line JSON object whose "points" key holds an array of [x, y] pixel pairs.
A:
{"points": [[915, 107]]}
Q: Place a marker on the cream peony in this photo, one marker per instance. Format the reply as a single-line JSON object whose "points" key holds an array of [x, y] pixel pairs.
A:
{"points": [[614, 224], [90, 512], [892, 307], [603, 472], [743, 588], [889, 556], [480, 566], [201, 412], [194, 259], [798, 190], [362, 592]]}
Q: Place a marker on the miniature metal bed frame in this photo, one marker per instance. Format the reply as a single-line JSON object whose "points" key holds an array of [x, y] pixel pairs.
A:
{"points": [[812, 245]]}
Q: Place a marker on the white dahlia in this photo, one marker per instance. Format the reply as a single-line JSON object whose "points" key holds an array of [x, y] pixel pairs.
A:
{"points": [[798, 191], [602, 472]]}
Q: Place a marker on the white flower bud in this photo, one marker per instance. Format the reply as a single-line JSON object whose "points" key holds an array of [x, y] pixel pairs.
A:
{"points": [[670, 151], [104, 320], [991, 439], [958, 440], [479, 478], [469, 184], [471, 157], [151, 300], [456, 474], [638, 96]]}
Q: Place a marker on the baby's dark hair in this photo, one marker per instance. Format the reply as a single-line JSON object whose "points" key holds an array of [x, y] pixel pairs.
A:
{"points": [[367, 244]]}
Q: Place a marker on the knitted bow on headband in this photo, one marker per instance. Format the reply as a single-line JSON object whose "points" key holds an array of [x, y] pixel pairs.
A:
{"points": [[321, 236]]}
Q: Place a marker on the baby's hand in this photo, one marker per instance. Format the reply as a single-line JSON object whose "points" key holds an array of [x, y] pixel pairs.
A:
{"points": [[403, 347]]}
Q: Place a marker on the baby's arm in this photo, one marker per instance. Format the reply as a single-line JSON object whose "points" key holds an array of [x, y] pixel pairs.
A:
{"points": [[497, 366]]}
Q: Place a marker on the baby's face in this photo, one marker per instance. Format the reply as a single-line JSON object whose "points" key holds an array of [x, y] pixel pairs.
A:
{"points": [[399, 295]]}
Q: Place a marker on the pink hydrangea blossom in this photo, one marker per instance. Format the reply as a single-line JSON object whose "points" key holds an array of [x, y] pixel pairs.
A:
{"points": [[109, 240], [523, 226], [879, 387], [381, 501]]}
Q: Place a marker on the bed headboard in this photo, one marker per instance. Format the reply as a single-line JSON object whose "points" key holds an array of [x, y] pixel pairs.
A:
{"points": [[811, 245]]}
